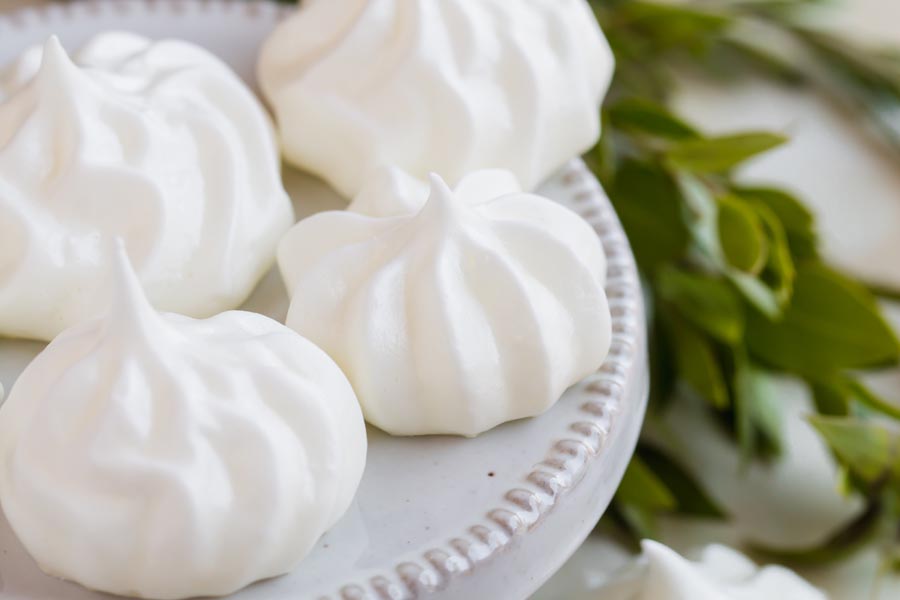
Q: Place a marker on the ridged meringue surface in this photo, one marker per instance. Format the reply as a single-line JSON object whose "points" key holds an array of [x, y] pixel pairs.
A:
{"points": [[391, 191], [456, 318], [156, 455], [449, 86], [156, 142], [721, 574]]}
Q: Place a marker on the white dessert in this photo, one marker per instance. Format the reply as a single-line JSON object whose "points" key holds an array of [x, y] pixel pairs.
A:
{"points": [[456, 318], [391, 191], [153, 454], [720, 574], [157, 142], [449, 86]]}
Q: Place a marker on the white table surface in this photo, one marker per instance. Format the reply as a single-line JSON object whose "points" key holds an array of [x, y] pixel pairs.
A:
{"points": [[856, 193]]}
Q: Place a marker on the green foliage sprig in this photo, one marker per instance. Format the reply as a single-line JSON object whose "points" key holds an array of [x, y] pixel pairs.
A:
{"points": [[738, 289]]}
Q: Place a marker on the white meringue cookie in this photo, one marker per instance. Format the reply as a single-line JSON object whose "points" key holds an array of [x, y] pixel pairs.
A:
{"points": [[391, 191], [721, 574], [454, 319], [159, 143], [450, 86], [157, 455]]}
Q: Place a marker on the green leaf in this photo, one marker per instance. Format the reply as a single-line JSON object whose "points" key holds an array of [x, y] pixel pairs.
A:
{"points": [[832, 324], [741, 235], [759, 410], [701, 217], [779, 272], [690, 497], [870, 449], [836, 394], [649, 206], [698, 366], [648, 118], [794, 217], [708, 303], [641, 488], [721, 153], [830, 399], [669, 25], [700, 214]]}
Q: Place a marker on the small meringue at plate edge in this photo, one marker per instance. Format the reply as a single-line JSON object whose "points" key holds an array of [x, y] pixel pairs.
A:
{"points": [[156, 455], [159, 143], [456, 318], [721, 574]]}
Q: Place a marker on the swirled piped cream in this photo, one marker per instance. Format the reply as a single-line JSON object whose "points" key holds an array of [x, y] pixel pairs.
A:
{"points": [[449, 86], [391, 191], [721, 574], [456, 318], [153, 454], [156, 142]]}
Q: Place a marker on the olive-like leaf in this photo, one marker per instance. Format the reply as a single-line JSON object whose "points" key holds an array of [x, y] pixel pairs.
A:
{"points": [[649, 118], [720, 154], [836, 394], [641, 487], [741, 236], [779, 271], [833, 323], [709, 303], [698, 365], [829, 397], [795, 218], [649, 206], [759, 412], [672, 23], [870, 449], [701, 217]]}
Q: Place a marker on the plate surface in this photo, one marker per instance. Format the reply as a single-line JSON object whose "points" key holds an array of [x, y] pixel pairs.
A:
{"points": [[442, 517]]}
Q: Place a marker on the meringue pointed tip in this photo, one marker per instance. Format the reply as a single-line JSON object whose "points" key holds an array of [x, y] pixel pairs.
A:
{"points": [[129, 302], [52, 42], [438, 184], [55, 59], [441, 200]]}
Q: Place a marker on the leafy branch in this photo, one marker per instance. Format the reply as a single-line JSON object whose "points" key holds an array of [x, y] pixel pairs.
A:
{"points": [[739, 291]]}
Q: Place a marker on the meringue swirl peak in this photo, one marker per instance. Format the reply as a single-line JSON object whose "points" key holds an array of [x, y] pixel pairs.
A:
{"points": [[455, 318], [390, 191], [158, 143], [451, 86], [152, 454], [130, 315], [442, 208]]}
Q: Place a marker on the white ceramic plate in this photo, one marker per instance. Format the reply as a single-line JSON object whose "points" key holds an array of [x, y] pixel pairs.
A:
{"points": [[441, 517]]}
